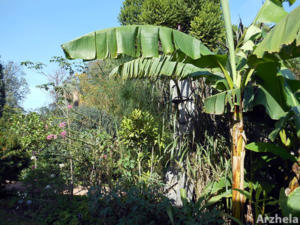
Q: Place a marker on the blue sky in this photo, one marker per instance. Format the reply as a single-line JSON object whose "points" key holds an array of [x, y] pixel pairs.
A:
{"points": [[34, 30]]}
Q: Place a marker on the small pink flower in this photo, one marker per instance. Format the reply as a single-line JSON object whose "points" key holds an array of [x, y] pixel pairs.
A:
{"points": [[33, 167], [70, 106], [104, 156], [62, 124], [54, 136], [50, 136], [63, 133]]}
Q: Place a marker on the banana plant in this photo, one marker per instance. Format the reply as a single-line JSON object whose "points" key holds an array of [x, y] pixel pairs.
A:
{"points": [[238, 76]]}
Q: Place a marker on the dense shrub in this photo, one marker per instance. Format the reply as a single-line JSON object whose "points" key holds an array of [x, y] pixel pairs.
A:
{"points": [[137, 205], [13, 159]]}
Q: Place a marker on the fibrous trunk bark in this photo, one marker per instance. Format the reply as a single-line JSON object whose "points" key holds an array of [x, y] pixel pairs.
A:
{"points": [[238, 157], [176, 179]]}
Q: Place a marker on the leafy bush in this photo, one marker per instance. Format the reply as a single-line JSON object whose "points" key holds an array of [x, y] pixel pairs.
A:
{"points": [[143, 142], [59, 211], [139, 130], [44, 182], [137, 205], [13, 158]]}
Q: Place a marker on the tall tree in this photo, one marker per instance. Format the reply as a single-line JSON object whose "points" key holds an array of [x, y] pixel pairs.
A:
{"points": [[130, 12], [16, 87], [200, 18], [208, 25]]}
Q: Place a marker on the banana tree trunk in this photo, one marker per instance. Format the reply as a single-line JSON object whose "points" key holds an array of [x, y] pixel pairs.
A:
{"points": [[238, 157]]}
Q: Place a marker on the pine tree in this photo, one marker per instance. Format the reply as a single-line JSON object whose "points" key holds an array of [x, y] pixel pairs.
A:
{"points": [[200, 18]]}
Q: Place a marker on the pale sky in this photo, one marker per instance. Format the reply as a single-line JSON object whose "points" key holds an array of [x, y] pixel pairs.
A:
{"points": [[34, 30]]}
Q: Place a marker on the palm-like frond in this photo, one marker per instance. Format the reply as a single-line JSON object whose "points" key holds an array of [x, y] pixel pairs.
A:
{"points": [[135, 41], [161, 67]]}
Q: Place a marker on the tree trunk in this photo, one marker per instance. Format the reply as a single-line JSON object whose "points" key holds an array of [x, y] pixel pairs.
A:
{"points": [[176, 179], [238, 157]]}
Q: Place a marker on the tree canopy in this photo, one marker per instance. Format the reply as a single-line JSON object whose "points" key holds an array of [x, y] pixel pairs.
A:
{"points": [[13, 84], [201, 18]]}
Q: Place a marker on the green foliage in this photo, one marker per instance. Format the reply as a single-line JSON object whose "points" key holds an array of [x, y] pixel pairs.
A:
{"points": [[13, 158], [45, 181], [290, 204], [139, 130], [294, 66], [143, 141], [138, 39], [15, 84], [32, 130], [200, 18], [271, 148], [145, 205], [115, 97], [130, 12], [207, 25], [165, 13], [290, 41], [58, 211]]}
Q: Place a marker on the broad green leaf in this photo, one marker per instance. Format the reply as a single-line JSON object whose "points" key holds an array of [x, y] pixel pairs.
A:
{"points": [[134, 41], [270, 12], [266, 73], [283, 39], [216, 104], [161, 67], [273, 109], [215, 187], [149, 41], [271, 148], [251, 32], [230, 43], [253, 96], [248, 46], [291, 99], [294, 85], [215, 199], [290, 204], [81, 48]]}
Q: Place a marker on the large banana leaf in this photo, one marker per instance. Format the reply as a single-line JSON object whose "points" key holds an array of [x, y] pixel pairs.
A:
{"points": [[284, 38], [161, 67], [135, 41], [253, 96], [271, 148], [270, 12]]}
